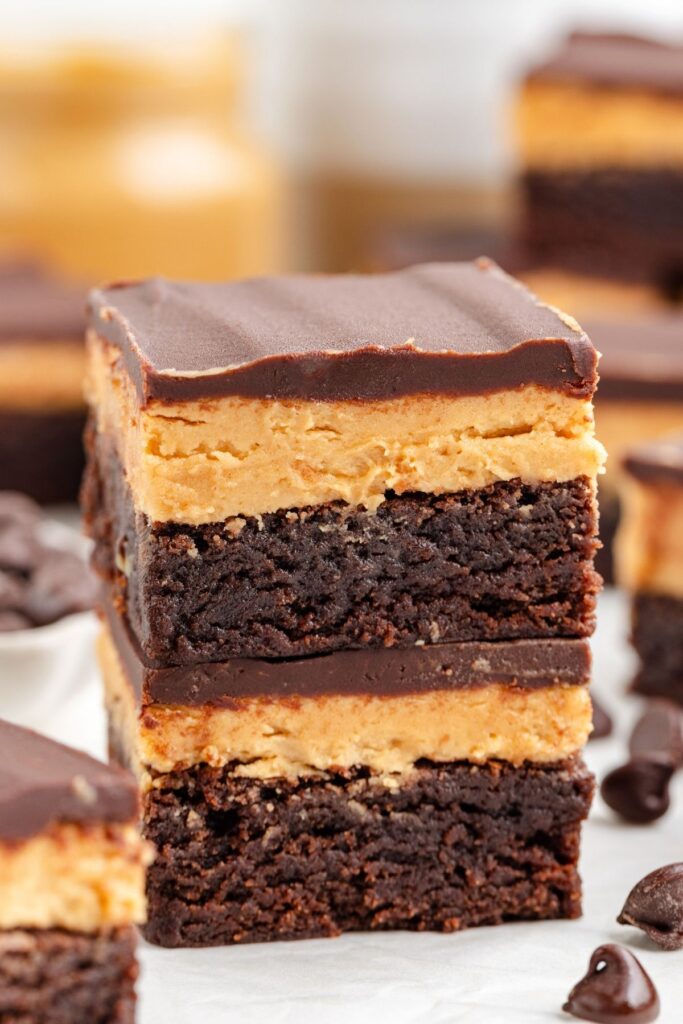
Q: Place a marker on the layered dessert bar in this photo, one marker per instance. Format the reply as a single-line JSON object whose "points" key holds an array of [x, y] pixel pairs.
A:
{"points": [[600, 126], [650, 563], [640, 399], [42, 366], [71, 884], [347, 528]]}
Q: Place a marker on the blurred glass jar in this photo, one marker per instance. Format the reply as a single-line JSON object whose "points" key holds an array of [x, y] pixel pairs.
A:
{"points": [[125, 165]]}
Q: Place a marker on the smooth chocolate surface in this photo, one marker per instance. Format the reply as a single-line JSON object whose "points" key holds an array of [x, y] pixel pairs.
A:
{"points": [[615, 61], [659, 733], [657, 636], [43, 782], [659, 461], [461, 329], [34, 306], [641, 358], [522, 664], [615, 989]]}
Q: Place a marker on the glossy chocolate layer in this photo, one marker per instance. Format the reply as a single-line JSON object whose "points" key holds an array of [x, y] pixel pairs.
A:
{"points": [[461, 329], [44, 783], [659, 461], [642, 359], [36, 306], [615, 61], [522, 664]]}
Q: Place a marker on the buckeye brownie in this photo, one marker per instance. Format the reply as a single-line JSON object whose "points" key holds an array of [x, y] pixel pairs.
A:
{"points": [[42, 366], [600, 125], [346, 528], [296, 466], [650, 563], [71, 884]]}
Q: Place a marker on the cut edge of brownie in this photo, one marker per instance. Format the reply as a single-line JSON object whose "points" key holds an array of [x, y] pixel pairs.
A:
{"points": [[509, 561], [451, 846]]}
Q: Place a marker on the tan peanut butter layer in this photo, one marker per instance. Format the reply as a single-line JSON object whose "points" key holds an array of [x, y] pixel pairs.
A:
{"points": [[592, 296], [649, 545], [81, 878], [569, 126], [269, 737], [212, 459], [42, 376]]}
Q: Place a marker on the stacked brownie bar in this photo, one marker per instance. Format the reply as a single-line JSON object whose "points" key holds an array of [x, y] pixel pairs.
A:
{"points": [[600, 130], [347, 528], [42, 365], [650, 563], [71, 884]]}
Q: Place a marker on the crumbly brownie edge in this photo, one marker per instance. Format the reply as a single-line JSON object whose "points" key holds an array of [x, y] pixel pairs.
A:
{"points": [[657, 636], [509, 561], [51, 976], [453, 846]]}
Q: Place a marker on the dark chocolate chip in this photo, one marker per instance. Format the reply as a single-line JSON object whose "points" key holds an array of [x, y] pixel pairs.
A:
{"points": [[655, 905], [60, 585], [659, 732], [639, 790], [602, 721], [616, 988]]}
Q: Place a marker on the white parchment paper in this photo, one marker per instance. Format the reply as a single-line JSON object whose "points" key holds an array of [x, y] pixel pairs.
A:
{"points": [[516, 973]]}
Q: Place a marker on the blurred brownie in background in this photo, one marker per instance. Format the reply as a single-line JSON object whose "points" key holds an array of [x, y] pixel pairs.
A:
{"points": [[42, 364], [640, 398], [649, 557], [600, 128], [72, 869]]}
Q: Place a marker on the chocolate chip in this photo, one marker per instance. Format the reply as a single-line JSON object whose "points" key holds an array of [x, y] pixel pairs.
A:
{"points": [[659, 732], [639, 790], [60, 585], [616, 988], [655, 905], [602, 721]]}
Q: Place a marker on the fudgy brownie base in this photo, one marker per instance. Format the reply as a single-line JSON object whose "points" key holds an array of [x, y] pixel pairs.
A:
{"points": [[615, 223], [509, 561], [41, 454], [57, 977], [455, 845], [657, 635]]}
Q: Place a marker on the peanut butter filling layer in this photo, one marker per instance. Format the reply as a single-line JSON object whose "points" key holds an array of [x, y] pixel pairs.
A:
{"points": [[623, 425], [42, 376], [649, 546], [269, 738], [80, 878], [565, 127], [203, 461], [588, 296]]}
